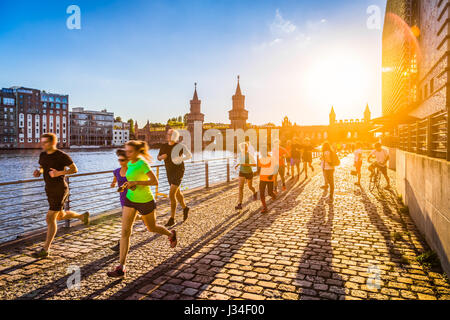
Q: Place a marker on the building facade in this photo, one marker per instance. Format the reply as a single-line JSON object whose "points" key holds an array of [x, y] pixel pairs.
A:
{"points": [[121, 133], [8, 122], [91, 128]]}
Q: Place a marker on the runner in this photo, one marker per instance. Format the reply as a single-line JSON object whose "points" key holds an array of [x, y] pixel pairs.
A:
{"points": [[296, 155], [307, 156], [246, 162], [381, 156], [119, 180], [358, 161], [175, 171], [288, 157], [266, 180], [282, 154], [328, 169], [55, 165], [139, 198]]}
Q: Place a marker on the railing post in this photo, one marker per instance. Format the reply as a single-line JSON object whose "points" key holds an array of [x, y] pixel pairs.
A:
{"points": [[67, 204], [157, 186], [429, 137], [206, 174], [228, 170], [417, 137]]}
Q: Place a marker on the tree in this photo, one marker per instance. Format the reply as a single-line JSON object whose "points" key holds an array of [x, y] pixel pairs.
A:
{"points": [[131, 122], [118, 119]]}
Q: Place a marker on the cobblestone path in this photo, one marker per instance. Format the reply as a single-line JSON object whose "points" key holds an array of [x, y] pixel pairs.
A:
{"points": [[360, 247]]}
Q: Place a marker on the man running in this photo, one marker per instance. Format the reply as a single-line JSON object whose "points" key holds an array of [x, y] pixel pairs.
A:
{"points": [[174, 164], [55, 165], [381, 156]]}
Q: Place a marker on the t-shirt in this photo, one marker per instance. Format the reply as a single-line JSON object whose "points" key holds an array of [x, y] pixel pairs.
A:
{"points": [[380, 156], [120, 181], [296, 151], [282, 153], [57, 160], [138, 172], [170, 166], [326, 165], [267, 172], [357, 155]]}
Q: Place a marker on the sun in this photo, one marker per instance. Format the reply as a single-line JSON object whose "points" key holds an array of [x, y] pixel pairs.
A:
{"points": [[337, 78]]}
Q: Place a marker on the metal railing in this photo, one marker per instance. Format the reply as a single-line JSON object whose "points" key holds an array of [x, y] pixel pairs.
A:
{"points": [[428, 136], [23, 203]]}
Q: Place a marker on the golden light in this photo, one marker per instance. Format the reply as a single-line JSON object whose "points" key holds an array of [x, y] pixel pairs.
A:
{"points": [[340, 79]]}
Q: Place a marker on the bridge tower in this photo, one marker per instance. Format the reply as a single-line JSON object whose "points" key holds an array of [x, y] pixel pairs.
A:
{"points": [[238, 115]]}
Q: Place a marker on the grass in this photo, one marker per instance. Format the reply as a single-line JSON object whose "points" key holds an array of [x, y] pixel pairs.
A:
{"points": [[404, 210], [397, 236], [428, 259]]}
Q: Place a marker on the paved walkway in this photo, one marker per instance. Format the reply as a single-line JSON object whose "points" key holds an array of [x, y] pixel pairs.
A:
{"points": [[360, 247]]}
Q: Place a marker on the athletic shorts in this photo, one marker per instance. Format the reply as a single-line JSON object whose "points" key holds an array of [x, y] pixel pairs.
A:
{"points": [[246, 175], [142, 208], [57, 198], [175, 178]]}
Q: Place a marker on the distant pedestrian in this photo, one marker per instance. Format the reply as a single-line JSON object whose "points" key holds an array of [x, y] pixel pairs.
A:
{"points": [[288, 157], [174, 163], [296, 155], [55, 165], [328, 166], [267, 172], [282, 154], [358, 161], [307, 156], [381, 156], [246, 162]]}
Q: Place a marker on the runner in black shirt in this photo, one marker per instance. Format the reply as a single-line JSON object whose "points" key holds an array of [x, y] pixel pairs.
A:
{"points": [[53, 164], [174, 164]]}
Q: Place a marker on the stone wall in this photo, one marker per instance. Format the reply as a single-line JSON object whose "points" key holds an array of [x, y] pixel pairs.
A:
{"points": [[424, 184]]}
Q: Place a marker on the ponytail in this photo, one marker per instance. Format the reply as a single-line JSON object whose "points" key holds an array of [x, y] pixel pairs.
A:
{"points": [[141, 147]]}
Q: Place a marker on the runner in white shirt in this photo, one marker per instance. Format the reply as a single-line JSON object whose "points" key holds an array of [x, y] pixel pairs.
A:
{"points": [[381, 156]]}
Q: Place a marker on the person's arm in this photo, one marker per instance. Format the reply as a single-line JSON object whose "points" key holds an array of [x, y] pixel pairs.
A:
{"points": [[152, 181], [70, 169], [387, 159], [37, 173], [161, 155], [371, 155], [113, 183], [187, 155]]}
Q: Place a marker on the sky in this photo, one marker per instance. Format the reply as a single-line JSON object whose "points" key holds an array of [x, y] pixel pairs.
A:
{"points": [[140, 59]]}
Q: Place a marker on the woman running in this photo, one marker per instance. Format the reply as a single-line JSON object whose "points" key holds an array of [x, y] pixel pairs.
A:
{"points": [[119, 179], [358, 161], [139, 198], [246, 162], [282, 154], [267, 173], [328, 169], [307, 156]]}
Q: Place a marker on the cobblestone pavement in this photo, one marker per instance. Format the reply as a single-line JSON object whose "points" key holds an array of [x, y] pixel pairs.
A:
{"points": [[361, 247]]}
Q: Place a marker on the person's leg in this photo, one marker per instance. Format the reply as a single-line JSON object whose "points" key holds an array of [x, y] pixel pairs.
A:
{"points": [[282, 172], [173, 200], [180, 198], [262, 193], [325, 180], [270, 190], [52, 227], [331, 182], [250, 186], [67, 215], [305, 168], [128, 217], [150, 222], [385, 174], [241, 189]]}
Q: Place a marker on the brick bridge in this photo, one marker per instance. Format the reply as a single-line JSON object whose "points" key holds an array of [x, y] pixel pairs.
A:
{"points": [[361, 247]]}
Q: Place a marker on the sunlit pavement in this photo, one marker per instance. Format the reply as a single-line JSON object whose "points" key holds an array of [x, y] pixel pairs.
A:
{"points": [[359, 247]]}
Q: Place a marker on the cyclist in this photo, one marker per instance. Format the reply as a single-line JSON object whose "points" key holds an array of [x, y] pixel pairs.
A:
{"points": [[381, 156]]}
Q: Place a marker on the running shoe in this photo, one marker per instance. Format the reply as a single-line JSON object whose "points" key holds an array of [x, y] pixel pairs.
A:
{"points": [[118, 272], [238, 207], [284, 188], [86, 218], [264, 210], [41, 254], [324, 187], [185, 213], [170, 223], [173, 239], [255, 196]]}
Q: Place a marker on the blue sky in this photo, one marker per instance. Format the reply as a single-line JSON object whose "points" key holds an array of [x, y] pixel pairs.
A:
{"points": [[140, 59]]}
